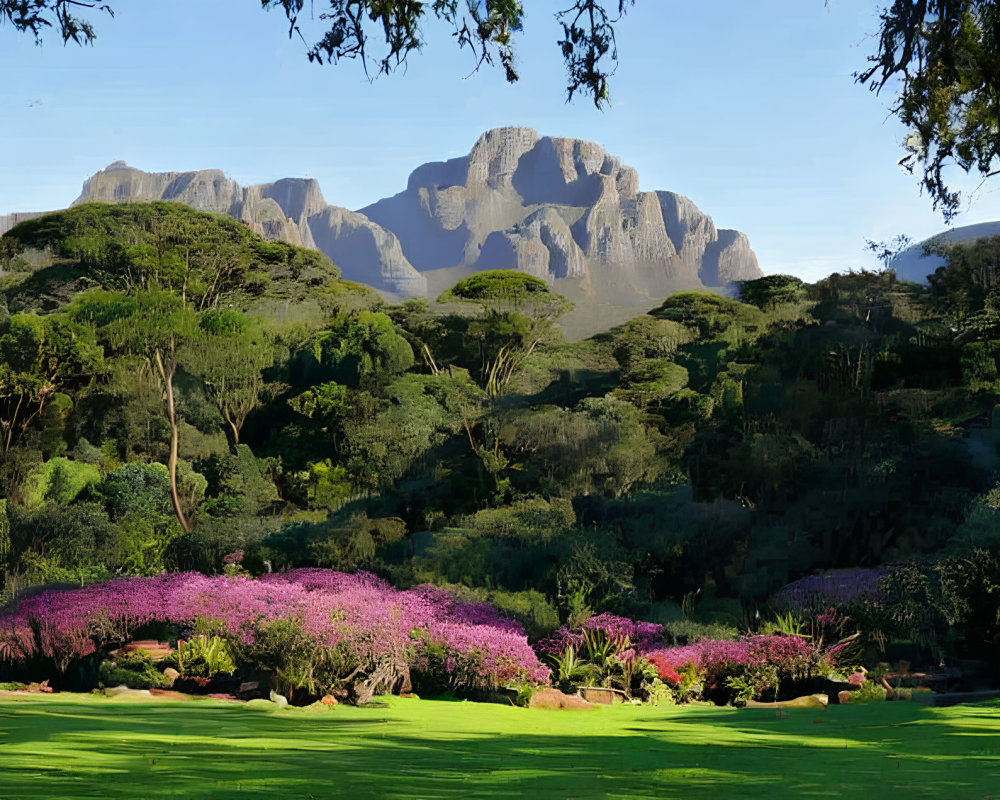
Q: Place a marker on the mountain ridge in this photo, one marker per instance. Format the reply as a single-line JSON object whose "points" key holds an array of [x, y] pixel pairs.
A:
{"points": [[561, 209]]}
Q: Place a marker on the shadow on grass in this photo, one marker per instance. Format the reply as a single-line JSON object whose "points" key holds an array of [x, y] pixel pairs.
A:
{"points": [[420, 749]]}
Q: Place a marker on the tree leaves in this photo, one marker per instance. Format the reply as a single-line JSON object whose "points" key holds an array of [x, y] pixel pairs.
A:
{"points": [[945, 56]]}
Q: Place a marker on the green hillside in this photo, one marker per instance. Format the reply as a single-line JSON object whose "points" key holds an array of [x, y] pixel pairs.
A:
{"points": [[175, 390]]}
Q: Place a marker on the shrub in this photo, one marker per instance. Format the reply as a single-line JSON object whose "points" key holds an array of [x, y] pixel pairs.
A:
{"points": [[753, 667], [133, 669], [305, 627], [202, 657]]}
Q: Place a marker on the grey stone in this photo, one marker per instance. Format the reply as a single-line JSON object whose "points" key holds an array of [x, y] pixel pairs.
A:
{"points": [[558, 208]]}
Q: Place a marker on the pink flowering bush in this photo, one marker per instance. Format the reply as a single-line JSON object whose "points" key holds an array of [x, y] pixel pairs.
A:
{"points": [[754, 666], [351, 629], [644, 636]]}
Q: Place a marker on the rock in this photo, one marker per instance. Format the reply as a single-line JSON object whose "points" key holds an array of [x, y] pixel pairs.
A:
{"points": [[328, 700], [260, 704], [808, 701], [172, 674], [364, 251], [123, 692], [597, 694], [167, 694], [728, 259], [278, 699], [554, 699], [843, 697], [558, 208], [8, 221], [156, 650]]}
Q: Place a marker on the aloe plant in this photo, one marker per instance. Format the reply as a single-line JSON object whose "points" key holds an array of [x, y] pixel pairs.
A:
{"points": [[601, 647], [569, 669]]}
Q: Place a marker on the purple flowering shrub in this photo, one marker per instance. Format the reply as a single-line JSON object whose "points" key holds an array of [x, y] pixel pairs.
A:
{"points": [[814, 594], [348, 629], [643, 636]]}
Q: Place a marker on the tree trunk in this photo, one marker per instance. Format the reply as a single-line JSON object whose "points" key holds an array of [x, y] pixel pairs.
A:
{"points": [[167, 374], [232, 425]]}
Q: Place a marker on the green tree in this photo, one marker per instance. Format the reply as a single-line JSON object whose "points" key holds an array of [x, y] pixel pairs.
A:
{"points": [[39, 355], [517, 312], [146, 329], [944, 55], [229, 354], [362, 349]]}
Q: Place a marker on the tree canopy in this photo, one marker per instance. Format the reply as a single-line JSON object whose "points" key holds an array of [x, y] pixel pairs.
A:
{"points": [[357, 29], [945, 56]]}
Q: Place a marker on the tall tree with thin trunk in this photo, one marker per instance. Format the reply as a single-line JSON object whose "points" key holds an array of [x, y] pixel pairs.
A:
{"points": [[229, 354], [147, 328]]}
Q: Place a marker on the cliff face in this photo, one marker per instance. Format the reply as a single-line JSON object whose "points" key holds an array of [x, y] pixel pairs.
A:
{"points": [[292, 209], [8, 221], [561, 209], [557, 208]]}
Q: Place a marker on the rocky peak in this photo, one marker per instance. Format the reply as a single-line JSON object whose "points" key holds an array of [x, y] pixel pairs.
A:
{"points": [[562, 209], [494, 158], [299, 198]]}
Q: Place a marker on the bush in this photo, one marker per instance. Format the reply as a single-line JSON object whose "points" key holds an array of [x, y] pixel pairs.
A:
{"points": [[202, 657], [133, 669], [754, 667], [305, 629]]}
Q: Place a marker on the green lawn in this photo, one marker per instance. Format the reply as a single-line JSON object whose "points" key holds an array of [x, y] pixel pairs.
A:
{"points": [[71, 746]]}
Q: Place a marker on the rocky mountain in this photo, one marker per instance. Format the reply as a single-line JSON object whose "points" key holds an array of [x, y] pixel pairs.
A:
{"points": [[292, 209], [558, 209], [561, 209], [915, 264]]}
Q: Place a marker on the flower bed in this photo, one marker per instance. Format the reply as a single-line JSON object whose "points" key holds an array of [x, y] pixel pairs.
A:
{"points": [[341, 629]]}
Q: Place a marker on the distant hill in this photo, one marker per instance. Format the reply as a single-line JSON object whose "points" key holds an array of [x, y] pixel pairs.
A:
{"points": [[210, 259], [913, 264], [558, 208], [8, 221]]}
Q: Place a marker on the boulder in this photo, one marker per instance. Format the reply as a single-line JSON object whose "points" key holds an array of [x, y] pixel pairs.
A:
{"points": [[554, 699], [123, 692], [601, 695], [260, 704], [807, 701], [278, 699], [167, 694]]}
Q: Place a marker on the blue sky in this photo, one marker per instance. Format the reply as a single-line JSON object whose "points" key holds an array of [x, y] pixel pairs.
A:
{"points": [[747, 108]]}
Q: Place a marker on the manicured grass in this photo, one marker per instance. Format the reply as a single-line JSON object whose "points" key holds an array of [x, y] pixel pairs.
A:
{"points": [[70, 746]]}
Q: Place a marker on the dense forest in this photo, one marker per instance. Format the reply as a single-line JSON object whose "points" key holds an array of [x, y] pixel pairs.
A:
{"points": [[178, 394]]}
